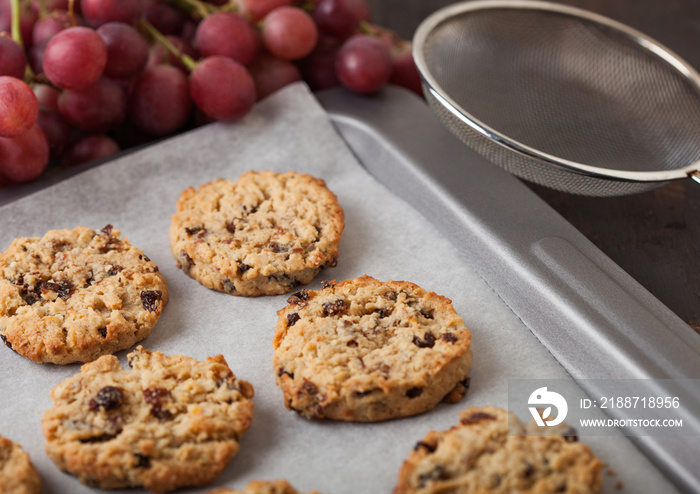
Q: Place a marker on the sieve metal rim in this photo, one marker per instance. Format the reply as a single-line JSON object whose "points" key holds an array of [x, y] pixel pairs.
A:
{"points": [[431, 85]]}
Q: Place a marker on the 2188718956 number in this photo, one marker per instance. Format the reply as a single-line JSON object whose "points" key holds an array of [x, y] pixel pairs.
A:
{"points": [[639, 402]]}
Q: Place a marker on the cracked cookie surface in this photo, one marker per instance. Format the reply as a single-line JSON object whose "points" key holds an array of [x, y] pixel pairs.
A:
{"points": [[74, 295], [167, 422], [17, 474], [261, 235], [263, 487], [479, 456], [365, 350]]}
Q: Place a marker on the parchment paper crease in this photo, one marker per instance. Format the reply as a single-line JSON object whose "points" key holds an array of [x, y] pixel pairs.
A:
{"points": [[384, 237]]}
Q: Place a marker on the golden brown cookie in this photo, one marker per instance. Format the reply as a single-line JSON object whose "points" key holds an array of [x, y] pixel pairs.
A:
{"points": [[263, 487], [75, 295], [262, 235], [165, 423], [365, 350], [17, 474], [479, 456]]}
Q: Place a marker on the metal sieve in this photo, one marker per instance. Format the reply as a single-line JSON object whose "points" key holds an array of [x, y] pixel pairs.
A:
{"points": [[560, 96]]}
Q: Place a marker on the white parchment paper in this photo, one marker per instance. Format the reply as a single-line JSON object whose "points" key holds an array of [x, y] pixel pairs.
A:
{"points": [[384, 237]]}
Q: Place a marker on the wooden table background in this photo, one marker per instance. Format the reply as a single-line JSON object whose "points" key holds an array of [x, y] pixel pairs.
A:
{"points": [[654, 236]]}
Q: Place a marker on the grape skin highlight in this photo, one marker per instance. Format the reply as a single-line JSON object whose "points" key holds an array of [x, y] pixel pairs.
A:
{"points": [[18, 107]]}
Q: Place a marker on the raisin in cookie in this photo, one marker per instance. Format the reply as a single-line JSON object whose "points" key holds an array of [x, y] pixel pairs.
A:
{"points": [[264, 487], [17, 474], [75, 295], [365, 350], [168, 422], [479, 456], [262, 235]]}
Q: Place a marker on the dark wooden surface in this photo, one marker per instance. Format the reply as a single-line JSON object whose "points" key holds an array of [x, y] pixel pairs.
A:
{"points": [[654, 236]]}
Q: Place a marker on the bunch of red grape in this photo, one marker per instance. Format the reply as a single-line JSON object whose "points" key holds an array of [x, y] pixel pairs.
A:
{"points": [[82, 79]]}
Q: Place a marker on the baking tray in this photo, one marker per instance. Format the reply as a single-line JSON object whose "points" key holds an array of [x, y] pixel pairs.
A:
{"points": [[595, 319], [580, 306]]}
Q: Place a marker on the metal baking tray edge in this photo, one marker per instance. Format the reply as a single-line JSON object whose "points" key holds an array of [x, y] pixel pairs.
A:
{"points": [[596, 320]]}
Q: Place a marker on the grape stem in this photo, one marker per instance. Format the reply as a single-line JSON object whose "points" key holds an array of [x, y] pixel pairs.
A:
{"points": [[376, 31], [367, 28], [17, 37], [71, 12], [195, 8], [231, 6], [42, 79], [15, 27], [307, 6], [187, 61]]}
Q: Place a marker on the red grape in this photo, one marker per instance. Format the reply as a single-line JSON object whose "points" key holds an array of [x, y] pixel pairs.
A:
{"points": [[12, 58], [98, 12], [228, 35], [166, 19], [24, 157], [201, 118], [341, 18], [222, 88], [363, 64], [188, 31], [56, 130], [5, 15], [18, 106], [47, 27], [126, 85], [127, 51], [404, 72], [95, 109], [319, 67], [289, 33], [257, 9], [271, 74], [90, 148], [75, 58], [35, 57], [160, 102], [161, 55], [46, 96]]}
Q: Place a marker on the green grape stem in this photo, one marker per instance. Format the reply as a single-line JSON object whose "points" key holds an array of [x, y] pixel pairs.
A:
{"points": [[17, 38], [367, 28], [15, 27], [187, 61], [195, 8], [231, 6], [379, 32], [307, 6]]}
